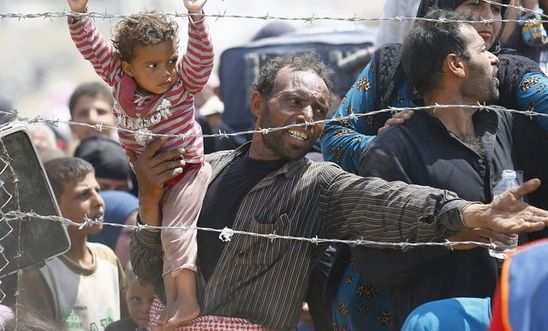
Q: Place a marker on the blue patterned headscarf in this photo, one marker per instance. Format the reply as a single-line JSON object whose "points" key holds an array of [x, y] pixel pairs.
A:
{"points": [[118, 206]]}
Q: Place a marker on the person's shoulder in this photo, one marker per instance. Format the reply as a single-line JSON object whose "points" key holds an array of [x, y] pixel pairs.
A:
{"points": [[399, 134], [323, 170], [517, 65], [215, 157], [102, 251]]}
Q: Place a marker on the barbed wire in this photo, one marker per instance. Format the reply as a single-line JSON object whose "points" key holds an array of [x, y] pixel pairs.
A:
{"points": [[226, 233], [354, 19], [352, 116]]}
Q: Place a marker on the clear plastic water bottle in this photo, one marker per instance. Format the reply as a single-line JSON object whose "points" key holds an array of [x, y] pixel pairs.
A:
{"points": [[508, 181]]}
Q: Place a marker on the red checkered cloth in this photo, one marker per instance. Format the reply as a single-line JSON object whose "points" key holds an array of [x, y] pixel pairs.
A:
{"points": [[204, 323]]}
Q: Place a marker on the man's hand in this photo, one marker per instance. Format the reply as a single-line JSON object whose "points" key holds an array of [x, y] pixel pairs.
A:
{"points": [[153, 169], [78, 6], [194, 6], [508, 213], [397, 119]]}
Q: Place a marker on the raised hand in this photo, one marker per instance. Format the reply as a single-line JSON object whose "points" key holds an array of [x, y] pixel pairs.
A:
{"points": [[397, 119], [194, 6], [78, 6], [508, 213]]}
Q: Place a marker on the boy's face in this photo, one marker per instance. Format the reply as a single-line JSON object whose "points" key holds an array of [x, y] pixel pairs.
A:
{"points": [[154, 67], [92, 110], [139, 298], [80, 199]]}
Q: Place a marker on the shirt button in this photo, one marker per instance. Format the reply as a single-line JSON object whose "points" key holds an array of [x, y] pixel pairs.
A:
{"points": [[480, 161]]}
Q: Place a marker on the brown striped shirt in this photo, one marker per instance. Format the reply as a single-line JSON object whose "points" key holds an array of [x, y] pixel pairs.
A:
{"points": [[265, 281]]}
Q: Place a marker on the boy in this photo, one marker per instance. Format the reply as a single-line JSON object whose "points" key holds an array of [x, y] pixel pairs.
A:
{"points": [[154, 93], [79, 290], [139, 298], [91, 103]]}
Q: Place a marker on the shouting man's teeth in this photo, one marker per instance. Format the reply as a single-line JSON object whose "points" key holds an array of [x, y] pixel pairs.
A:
{"points": [[299, 135]]}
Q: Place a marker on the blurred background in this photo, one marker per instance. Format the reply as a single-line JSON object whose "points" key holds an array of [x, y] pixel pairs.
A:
{"points": [[40, 66]]}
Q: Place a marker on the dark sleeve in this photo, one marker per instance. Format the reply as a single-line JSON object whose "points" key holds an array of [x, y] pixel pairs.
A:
{"points": [[388, 267], [146, 257]]}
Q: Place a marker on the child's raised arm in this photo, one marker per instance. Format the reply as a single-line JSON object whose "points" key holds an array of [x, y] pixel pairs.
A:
{"points": [[79, 6], [92, 45], [197, 61]]}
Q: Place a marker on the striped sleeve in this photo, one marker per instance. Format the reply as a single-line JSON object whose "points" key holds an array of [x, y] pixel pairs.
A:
{"points": [[96, 49], [374, 209], [197, 62]]}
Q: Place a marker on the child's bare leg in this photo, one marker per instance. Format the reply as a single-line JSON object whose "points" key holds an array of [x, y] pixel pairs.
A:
{"points": [[184, 307], [171, 295]]}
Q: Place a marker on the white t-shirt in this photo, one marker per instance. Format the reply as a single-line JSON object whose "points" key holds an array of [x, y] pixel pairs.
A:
{"points": [[87, 299]]}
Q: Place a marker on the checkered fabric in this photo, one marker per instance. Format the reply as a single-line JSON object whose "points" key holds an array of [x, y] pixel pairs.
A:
{"points": [[205, 323]]}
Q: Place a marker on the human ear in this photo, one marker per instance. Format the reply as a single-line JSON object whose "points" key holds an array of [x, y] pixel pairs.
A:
{"points": [[128, 69], [257, 103], [454, 64]]}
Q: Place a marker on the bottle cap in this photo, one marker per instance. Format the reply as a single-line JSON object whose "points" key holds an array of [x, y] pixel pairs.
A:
{"points": [[508, 173]]}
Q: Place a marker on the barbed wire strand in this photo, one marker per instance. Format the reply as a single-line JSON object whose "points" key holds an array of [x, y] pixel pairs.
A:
{"points": [[352, 116], [309, 19], [226, 233]]}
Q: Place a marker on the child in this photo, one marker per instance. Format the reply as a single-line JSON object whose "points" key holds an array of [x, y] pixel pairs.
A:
{"points": [[79, 290], [91, 103], [139, 298], [154, 92]]}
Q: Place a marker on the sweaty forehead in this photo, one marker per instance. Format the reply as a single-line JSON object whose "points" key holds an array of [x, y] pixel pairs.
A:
{"points": [[305, 82]]}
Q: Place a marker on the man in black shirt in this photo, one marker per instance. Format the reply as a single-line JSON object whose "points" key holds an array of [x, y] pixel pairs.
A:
{"points": [[460, 149]]}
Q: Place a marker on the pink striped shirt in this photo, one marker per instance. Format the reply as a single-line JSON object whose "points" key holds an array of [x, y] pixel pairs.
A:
{"points": [[172, 112]]}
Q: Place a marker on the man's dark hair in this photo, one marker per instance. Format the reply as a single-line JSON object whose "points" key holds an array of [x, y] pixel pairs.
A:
{"points": [[307, 62], [90, 89], [428, 43], [66, 170]]}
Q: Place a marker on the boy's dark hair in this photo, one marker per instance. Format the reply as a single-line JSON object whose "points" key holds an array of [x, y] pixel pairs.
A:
{"points": [[307, 62], [66, 170], [428, 43], [90, 89], [148, 28]]}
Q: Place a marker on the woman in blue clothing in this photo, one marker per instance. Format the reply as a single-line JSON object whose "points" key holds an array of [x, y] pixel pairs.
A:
{"points": [[358, 305], [382, 84]]}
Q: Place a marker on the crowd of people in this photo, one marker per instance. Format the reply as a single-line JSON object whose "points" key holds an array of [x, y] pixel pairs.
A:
{"points": [[428, 175]]}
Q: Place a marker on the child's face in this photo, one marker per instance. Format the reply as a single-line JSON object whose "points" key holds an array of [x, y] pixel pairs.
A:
{"points": [[139, 298], [92, 110], [80, 199], [154, 67]]}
